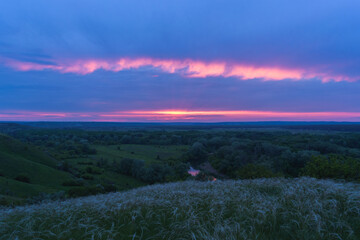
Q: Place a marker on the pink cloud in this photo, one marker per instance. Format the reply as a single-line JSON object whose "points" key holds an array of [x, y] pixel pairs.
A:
{"points": [[188, 68]]}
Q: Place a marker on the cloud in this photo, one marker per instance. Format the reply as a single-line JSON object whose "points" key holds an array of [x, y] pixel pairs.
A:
{"points": [[107, 91], [316, 37], [188, 68]]}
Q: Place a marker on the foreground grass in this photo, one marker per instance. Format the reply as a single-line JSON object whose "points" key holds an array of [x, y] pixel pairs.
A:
{"points": [[249, 209]]}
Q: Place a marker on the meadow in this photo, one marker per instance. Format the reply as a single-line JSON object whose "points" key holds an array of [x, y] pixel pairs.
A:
{"points": [[301, 208]]}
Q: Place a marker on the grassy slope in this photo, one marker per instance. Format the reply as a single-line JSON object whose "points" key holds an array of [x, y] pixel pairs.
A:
{"points": [[14, 147], [17, 158], [22, 190], [250, 209]]}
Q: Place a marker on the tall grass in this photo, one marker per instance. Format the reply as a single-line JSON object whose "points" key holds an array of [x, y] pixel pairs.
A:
{"points": [[301, 208]]}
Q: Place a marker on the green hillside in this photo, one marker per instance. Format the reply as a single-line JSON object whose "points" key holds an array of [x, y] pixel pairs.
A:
{"points": [[267, 209], [16, 148], [19, 159]]}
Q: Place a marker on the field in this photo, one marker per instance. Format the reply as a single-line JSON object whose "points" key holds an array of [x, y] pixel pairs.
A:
{"points": [[148, 153], [302, 208]]}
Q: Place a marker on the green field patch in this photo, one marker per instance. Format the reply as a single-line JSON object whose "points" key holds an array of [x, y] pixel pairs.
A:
{"points": [[148, 153]]}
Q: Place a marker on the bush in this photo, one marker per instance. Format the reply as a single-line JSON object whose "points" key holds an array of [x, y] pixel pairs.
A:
{"points": [[45, 197], [64, 166], [131, 167], [155, 173], [84, 191], [10, 202], [86, 163], [4, 201], [102, 163], [291, 163], [91, 190], [73, 183], [87, 177], [252, 171], [93, 170], [125, 166], [333, 166], [202, 176], [109, 188], [197, 153], [22, 178]]}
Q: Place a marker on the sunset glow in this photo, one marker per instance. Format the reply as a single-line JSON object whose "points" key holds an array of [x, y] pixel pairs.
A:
{"points": [[180, 116]]}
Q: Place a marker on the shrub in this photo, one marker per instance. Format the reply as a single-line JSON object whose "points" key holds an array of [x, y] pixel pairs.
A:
{"points": [[22, 178], [252, 171], [86, 163], [93, 170], [73, 183], [202, 176], [333, 166], [103, 163], [87, 177], [91, 190], [4, 201], [64, 166], [109, 188], [84, 191], [155, 173], [197, 153], [125, 166], [46, 197]]}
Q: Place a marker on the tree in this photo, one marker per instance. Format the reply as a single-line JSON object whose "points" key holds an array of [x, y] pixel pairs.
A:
{"points": [[197, 153]]}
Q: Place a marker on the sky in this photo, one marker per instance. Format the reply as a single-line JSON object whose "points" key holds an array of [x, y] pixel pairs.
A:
{"points": [[180, 61]]}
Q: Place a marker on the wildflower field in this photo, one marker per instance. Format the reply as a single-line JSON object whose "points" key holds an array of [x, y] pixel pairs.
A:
{"points": [[302, 208]]}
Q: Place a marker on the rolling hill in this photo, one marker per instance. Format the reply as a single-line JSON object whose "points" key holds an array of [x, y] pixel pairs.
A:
{"points": [[19, 159]]}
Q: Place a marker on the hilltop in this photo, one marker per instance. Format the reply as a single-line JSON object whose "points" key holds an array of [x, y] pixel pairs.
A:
{"points": [[302, 208]]}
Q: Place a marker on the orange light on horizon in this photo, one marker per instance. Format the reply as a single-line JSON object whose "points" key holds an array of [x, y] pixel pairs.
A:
{"points": [[181, 115], [244, 113]]}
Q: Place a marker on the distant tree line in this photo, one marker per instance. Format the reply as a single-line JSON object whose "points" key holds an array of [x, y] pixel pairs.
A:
{"points": [[234, 153]]}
